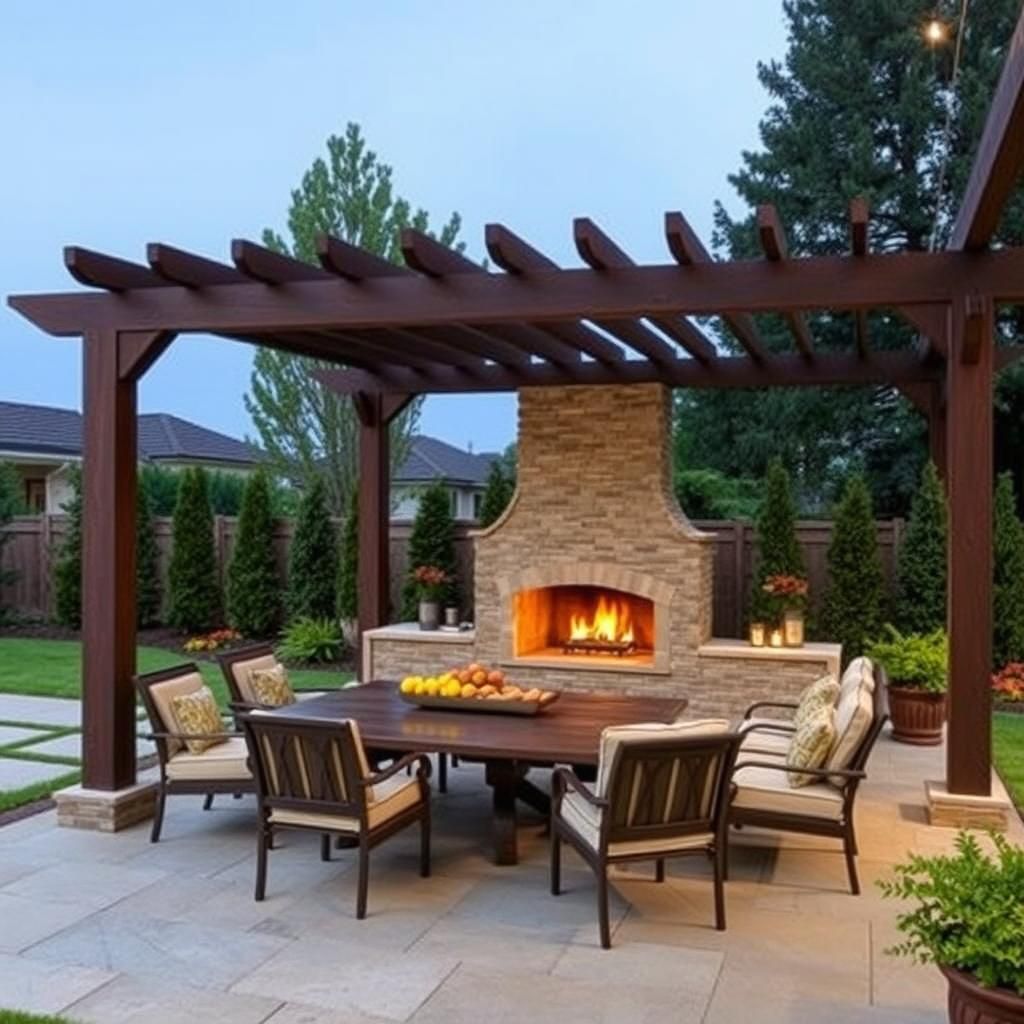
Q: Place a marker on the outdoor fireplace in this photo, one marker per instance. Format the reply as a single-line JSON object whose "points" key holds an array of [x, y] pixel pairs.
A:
{"points": [[583, 621]]}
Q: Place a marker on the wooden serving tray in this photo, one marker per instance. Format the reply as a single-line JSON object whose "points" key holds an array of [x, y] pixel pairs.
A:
{"points": [[497, 707]]}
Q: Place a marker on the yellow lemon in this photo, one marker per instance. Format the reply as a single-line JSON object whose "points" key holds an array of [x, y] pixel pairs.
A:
{"points": [[419, 688], [408, 685], [432, 686], [453, 688]]}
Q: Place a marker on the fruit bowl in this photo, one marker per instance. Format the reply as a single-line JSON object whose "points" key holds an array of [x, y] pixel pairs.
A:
{"points": [[474, 688]]}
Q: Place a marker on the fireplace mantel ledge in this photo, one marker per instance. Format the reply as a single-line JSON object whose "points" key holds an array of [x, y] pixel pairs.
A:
{"points": [[412, 631], [723, 647]]}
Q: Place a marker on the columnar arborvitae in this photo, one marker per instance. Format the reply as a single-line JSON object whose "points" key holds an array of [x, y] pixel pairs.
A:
{"points": [[147, 564], [855, 598], [194, 593], [432, 542], [921, 563], [313, 565], [779, 550], [68, 568], [497, 494], [1008, 577], [348, 564], [253, 584]]}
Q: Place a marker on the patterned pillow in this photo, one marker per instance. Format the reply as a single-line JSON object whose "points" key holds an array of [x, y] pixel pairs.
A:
{"points": [[198, 713], [809, 746], [270, 687], [822, 693]]}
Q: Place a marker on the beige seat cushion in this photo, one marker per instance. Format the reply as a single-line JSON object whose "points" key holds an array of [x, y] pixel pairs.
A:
{"points": [[766, 741], [391, 797], [585, 819], [241, 672], [612, 736], [162, 694], [810, 744], [225, 762], [765, 789], [853, 721]]}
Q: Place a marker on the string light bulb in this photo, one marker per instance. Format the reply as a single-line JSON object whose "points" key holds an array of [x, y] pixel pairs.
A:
{"points": [[936, 32]]}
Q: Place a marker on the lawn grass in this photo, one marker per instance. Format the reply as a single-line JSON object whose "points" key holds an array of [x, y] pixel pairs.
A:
{"points": [[20, 1017], [11, 798], [52, 668], [1008, 752]]}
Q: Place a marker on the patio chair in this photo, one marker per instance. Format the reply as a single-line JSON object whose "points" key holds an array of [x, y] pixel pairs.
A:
{"points": [[762, 794], [239, 664], [315, 777], [221, 768], [662, 791]]}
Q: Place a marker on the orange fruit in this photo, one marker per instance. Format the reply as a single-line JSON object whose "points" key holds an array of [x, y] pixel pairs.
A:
{"points": [[479, 677], [464, 676], [495, 677], [469, 690]]}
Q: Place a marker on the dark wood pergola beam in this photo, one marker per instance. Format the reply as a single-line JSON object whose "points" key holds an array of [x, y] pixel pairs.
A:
{"points": [[859, 216], [828, 370], [688, 251], [597, 250], [821, 282], [776, 250], [98, 270], [262, 264], [176, 266]]}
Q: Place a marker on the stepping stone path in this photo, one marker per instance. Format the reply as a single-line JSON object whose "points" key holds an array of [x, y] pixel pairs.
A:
{"points": [[37, 726]]}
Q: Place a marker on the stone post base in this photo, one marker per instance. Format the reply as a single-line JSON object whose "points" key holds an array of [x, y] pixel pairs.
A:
{"points": [[956, 810], [105, 811]]}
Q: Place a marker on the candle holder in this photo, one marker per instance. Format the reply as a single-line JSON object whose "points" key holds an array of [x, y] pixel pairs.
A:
{"points": [[757, 631], [775, 639], [793, 627]]}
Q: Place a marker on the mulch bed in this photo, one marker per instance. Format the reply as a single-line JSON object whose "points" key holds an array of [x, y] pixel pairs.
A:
{"points": [[1011, 707]]}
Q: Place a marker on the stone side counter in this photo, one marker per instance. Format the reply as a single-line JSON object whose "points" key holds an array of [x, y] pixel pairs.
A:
{"points": [[404, 649]]}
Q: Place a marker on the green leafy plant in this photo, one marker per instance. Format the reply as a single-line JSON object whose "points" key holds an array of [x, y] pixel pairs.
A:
{"points": [[311, 640], [968, 911], [497, 494], [313, 564], [432, 542], [917, 661], [780, 553], [147, 565], [253, 584], [1007, 576], [67, 570]]}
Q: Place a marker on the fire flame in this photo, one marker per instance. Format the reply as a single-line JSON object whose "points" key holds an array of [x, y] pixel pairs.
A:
{"points": [[611, 622]]}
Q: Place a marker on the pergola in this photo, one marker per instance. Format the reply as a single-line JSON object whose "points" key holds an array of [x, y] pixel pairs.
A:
{"points": [[442, 323]]}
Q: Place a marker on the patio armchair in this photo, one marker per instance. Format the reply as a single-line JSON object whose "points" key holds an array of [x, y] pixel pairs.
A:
{"points": [[315, 777], [762, 795], [238, 665], [222, 768], [662, 791]]}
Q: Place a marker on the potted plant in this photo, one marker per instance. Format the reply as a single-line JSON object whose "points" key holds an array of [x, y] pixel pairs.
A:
{"points": [[967, 916], [1008, 687], [431, 582], [916, 664], [788, 596]]}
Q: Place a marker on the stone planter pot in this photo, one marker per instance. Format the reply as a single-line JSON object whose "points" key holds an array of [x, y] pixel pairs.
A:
{"points": [[917, 716], [969, 1003], [430, 614]]}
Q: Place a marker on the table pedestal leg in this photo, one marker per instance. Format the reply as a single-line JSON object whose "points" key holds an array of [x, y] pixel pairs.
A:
{"points": [[504, 778]]}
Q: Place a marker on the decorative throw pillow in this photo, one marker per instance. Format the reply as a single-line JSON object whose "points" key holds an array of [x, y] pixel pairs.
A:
{"points": [[270, 687], [809, 746], [822, 693], [197, 713]]}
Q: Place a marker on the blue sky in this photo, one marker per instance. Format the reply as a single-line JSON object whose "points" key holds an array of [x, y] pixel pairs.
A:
{"points": [[190, 122]]}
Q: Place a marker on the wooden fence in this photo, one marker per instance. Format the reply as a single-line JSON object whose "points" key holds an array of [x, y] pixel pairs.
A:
{"points": [[37, 539]]}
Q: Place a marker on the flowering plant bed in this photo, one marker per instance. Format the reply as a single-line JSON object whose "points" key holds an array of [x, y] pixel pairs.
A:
{"points": [[214, 641], [1008, 688]]}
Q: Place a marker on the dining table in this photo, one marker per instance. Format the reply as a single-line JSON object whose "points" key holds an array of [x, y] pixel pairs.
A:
{"points": [[567, 731]]}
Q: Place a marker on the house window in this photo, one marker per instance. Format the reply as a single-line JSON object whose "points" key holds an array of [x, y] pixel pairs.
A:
{"points": [[35, 494], [478, 501], [454, 501]]}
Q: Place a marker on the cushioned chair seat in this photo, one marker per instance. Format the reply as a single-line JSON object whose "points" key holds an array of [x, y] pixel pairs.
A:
{"points": [[764, 789], [301, 695], [764, 741], [222, 763], [784, 719], [585, 819], [390, 798]]}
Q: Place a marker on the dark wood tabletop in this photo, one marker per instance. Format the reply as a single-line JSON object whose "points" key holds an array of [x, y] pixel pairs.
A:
{"points": [[568, 732]]}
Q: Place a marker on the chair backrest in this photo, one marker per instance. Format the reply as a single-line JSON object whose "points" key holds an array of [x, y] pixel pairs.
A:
{"points": [[158, 690], [236, 666], [880, 717], [307, 766], [667, 787]]}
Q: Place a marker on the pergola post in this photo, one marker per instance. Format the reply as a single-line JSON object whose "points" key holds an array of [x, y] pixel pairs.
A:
{"points": [[966, 797], [108, 797]]}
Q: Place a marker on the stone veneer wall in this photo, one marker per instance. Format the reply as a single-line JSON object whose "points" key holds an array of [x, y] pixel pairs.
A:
{"points": [[728, 686], [594, 486]]}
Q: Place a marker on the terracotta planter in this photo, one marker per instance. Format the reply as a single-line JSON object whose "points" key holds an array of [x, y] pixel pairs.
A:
{"points": [[917, 716], [969, 1003]]}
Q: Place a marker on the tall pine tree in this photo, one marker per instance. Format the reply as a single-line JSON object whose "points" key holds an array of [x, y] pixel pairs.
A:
{"points": [[921, 564], [313, 565], [67, 570], [194, 598], [1008, 577], [855, 600], [497, 494], [253, 583], [778, 547], [147, 564], [857, 107], [432, 542]]}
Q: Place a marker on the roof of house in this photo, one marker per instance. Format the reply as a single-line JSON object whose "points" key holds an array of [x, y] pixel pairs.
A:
{"points": [[45, 430], [431, 459]]}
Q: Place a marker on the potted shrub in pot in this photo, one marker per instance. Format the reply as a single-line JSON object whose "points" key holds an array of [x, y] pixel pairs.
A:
{"points": [[916, 664], [967, 916], [431, 583]]}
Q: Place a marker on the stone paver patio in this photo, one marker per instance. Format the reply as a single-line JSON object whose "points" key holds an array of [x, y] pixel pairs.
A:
{"points": [[110, 928]]}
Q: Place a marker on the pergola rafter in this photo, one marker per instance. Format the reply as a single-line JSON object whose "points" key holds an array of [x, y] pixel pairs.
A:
{"points": [[442, 323]]}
